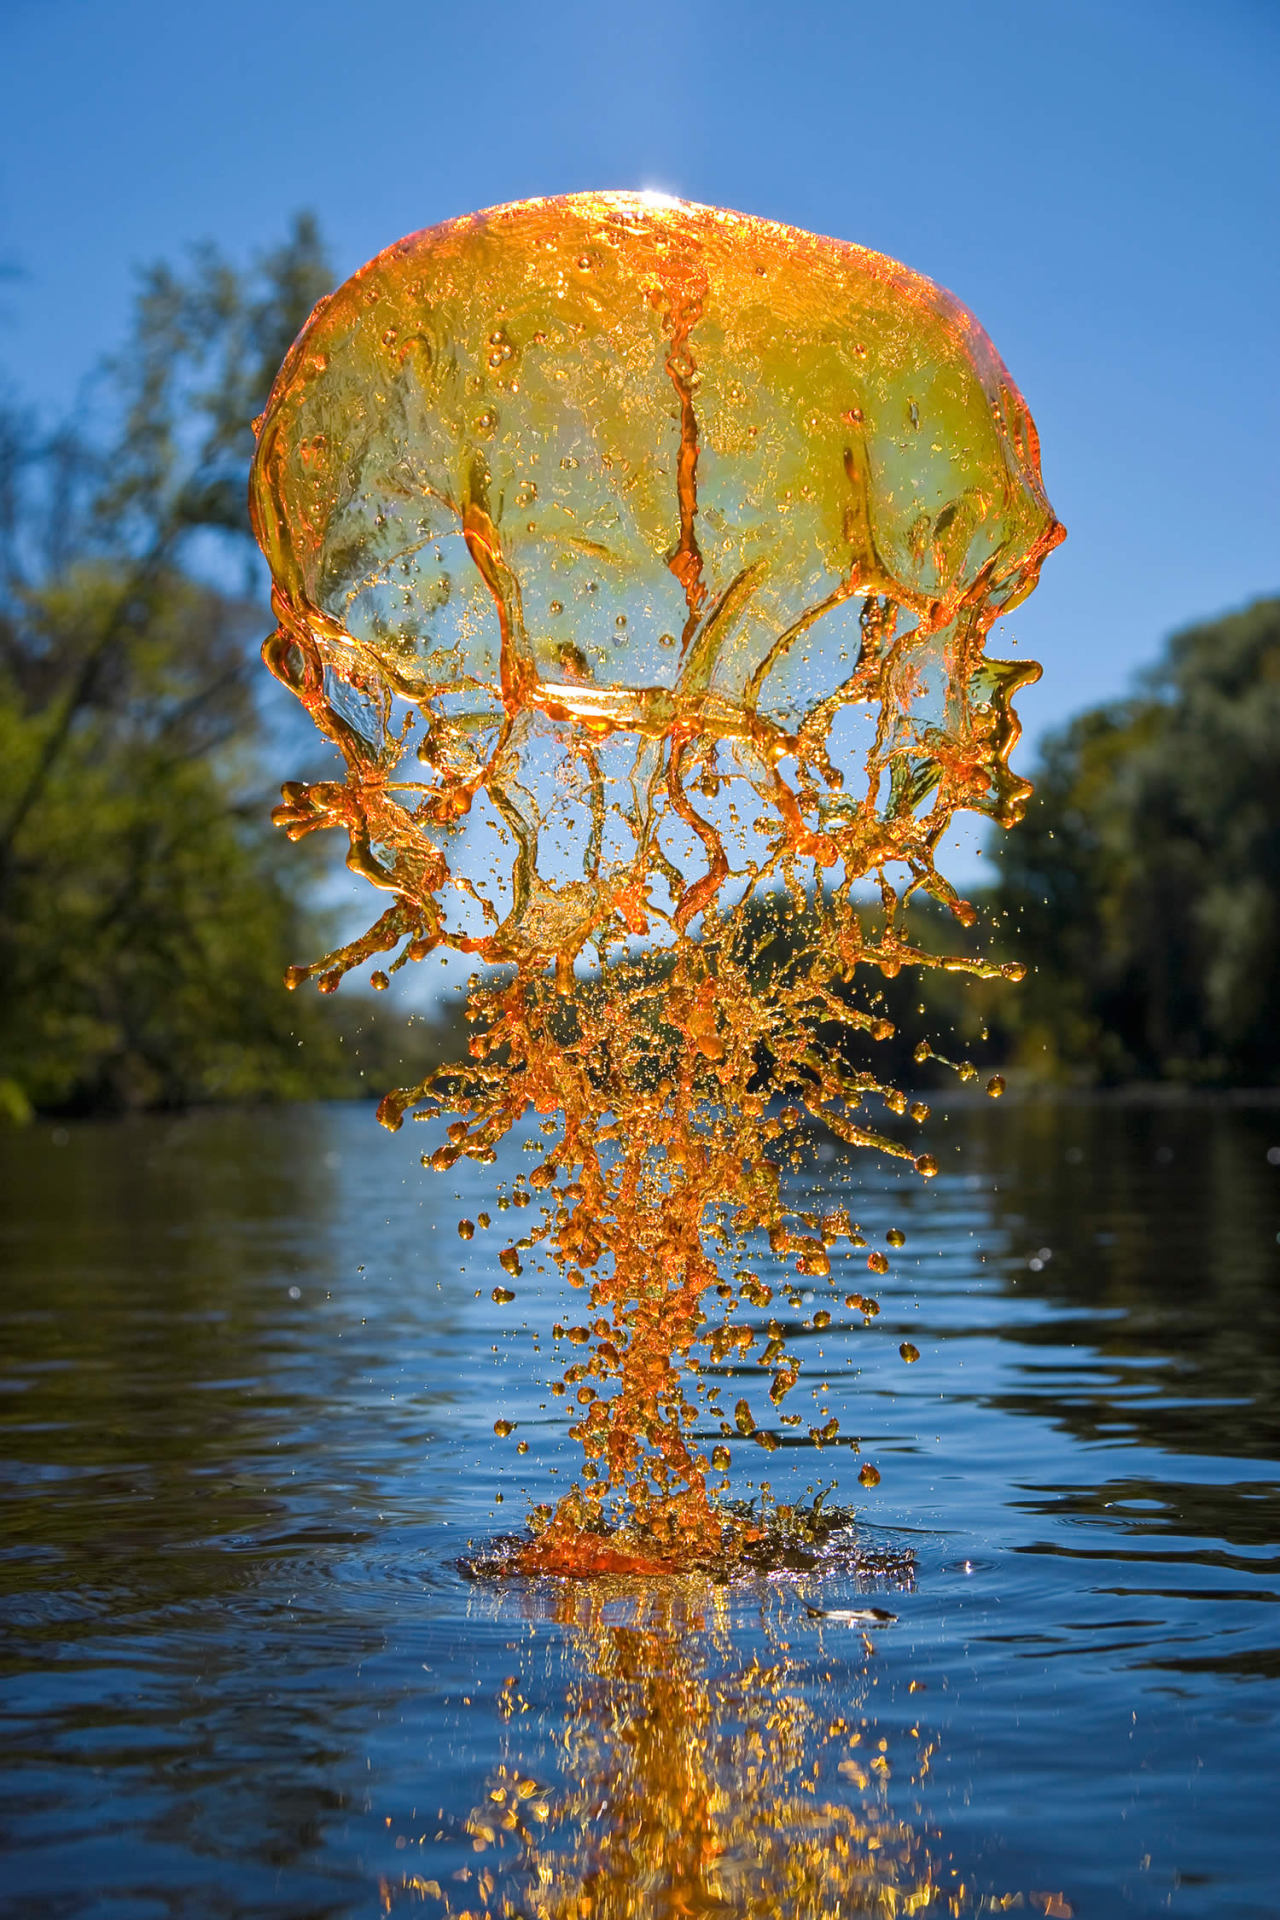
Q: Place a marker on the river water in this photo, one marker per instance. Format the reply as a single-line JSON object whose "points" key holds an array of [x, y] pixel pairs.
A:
{"points": [[248, 1380]]}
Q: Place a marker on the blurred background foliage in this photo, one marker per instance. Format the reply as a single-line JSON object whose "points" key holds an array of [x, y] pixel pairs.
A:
{"points": [[147, 908], [148, 911]]}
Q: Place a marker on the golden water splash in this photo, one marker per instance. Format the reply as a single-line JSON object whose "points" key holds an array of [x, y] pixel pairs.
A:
{"points": [[639, 560]]}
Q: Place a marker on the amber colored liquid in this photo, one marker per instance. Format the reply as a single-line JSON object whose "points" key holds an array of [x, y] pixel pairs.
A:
{"points": [[638, 559], [696, 1783]]}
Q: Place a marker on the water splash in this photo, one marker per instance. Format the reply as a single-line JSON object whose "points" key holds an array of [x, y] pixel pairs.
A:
{"points": [[639, 559]]}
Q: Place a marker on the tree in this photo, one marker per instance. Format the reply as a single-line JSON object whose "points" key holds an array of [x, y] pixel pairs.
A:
{"points": [[1144, 884], [145, 919]]}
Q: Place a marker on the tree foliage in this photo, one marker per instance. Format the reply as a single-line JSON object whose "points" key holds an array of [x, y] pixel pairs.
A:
{"points": [[1144, 885], [146, 914]]}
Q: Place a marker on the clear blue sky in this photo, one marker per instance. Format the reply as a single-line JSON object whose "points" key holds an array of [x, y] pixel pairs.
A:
{"points": [[1097, 181]]}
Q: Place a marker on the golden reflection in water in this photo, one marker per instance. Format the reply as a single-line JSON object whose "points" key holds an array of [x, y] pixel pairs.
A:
{"points": [[638, 559], [693, 1779]]}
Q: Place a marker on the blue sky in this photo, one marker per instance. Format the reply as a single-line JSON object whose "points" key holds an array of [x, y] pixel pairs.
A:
{"points": [[1098, 182]]}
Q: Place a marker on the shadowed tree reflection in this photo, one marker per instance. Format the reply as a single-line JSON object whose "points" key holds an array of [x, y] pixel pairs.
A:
{"points": [[1154, 1227]]}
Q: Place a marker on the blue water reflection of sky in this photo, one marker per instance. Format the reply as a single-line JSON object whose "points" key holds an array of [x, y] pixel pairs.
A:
{"points": [[1097, 181]]}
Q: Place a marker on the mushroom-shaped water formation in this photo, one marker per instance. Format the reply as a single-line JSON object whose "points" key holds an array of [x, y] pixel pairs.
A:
{"points": [[639, 559]]}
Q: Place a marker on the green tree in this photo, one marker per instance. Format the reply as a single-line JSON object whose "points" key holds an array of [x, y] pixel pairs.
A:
{"points": [[145, 915], [1144, 885]]}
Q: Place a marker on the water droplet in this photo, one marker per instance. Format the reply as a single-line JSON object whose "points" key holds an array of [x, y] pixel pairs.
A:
{"points": [[503, 1427], [909, 1352], [466, 1229], [869, 1475]]}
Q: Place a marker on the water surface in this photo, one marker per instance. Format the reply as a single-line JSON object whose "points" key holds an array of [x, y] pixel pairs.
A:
{"points": [[248, 1381]]}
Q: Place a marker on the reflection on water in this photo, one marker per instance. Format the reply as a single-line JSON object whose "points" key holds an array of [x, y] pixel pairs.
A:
{"points": [[247, 1394], [691, 1778]]}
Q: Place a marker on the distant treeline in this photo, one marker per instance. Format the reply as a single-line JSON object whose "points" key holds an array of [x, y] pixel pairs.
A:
{"points": [[148, 911], [1141, 891], [1143, 887]]}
